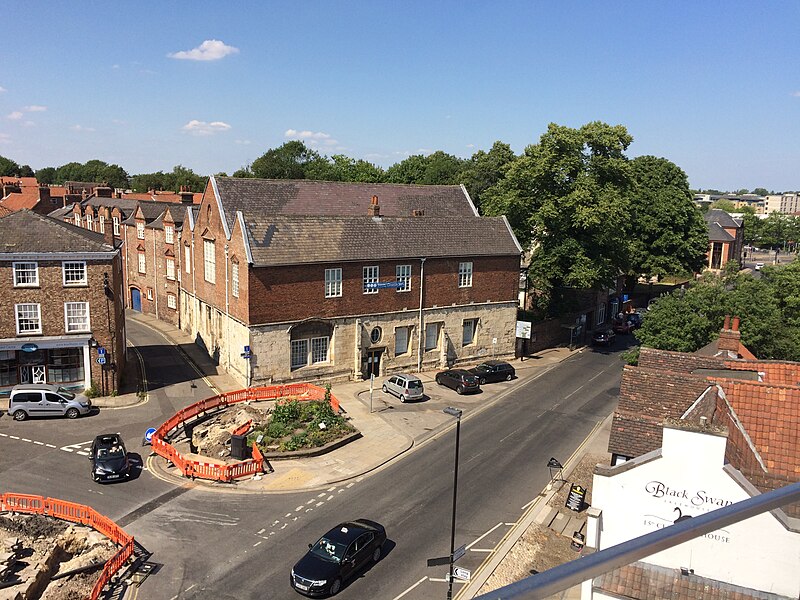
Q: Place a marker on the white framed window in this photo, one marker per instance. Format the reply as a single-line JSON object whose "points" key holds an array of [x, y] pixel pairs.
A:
{"points": [[89, 222], [102, 224], [403, 274], [601, 314], [29, 318], [149, 293], [319, 350], [140, 230], [333, 283], [169, 234], [115, 223], [187, 264], [171, 302], [26, 274], [76, 317], [78, 219], [74, 273], [470, 326], [299, 353], [142, 264], [465, 274], [370, 277], [209, 261], [401, 335], [431, 336], [235, 279], [170, 268]]}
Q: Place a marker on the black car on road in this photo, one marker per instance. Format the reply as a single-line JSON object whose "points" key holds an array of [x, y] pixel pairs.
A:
{"points": [[337, 556], [493, 370], [110, 460], [603, 337], [460, 380]]}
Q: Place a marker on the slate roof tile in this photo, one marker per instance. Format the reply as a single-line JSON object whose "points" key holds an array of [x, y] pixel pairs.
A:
{"points": [[26, 231]]}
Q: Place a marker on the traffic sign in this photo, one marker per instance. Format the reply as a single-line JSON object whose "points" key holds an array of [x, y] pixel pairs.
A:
{"points": [[101, 360], [148, 435], [459, 552], [462, 573], [379, 285], [101, 350], [441, 560]]}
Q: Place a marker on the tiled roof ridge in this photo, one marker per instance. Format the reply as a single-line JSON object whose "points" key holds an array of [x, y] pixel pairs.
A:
{"points": [[324, 181], [757, 384], [71, 229], [737, 423]]}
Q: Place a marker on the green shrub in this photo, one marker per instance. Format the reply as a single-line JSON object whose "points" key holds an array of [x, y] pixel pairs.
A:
{"points": [[286, 411], [631, 357], [276, 429], [296, 442], [92, 391]]}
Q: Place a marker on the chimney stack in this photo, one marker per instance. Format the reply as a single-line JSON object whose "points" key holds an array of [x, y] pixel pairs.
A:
{"points": [[730, 339], [103, 191], [187, 197], [374, 208]]}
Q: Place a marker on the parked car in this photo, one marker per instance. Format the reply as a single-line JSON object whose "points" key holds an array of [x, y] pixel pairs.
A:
{"points": [[634, 319], [110, 461], [405, 387], [603, 337], [44, 400], [337, 556], [759, 266], [459, 380], [493, 370]]}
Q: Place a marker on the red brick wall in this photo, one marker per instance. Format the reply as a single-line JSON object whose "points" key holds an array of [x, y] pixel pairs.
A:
{"points": [[297, 292]]}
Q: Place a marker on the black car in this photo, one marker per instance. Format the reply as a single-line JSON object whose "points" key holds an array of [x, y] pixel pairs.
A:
{"points": [[337, 556], [603, 337], [493, 370], [110, 461], [459, 380]]}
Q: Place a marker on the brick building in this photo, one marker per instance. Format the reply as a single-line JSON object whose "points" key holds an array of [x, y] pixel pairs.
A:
{"points": [[326, 280], [725, 239], [62, 305]]}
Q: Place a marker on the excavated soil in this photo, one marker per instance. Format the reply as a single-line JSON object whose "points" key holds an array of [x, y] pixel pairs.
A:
{"points": [[540, 548], [212, 437], [52, 546]]}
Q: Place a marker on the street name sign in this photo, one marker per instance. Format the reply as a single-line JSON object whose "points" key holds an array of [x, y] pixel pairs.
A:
{"points": [[459, 552], [380, 285], [462, 573], [442, 560]]}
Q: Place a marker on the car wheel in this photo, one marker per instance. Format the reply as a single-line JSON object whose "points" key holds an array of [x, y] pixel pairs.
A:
{"points": [[385, 390], [438, 381], [20, 415], [376, 554], [73, 413], [509, 377], [336, 586], [483, 381], [459, 390]]}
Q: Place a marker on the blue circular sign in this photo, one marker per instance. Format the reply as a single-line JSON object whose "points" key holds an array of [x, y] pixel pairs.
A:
{"points": [[29, 347], [148, 435]]}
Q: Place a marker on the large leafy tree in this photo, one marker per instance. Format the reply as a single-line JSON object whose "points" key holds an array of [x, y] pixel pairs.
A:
{"points": [[486, 169], [292, 160], [173, 181], [96, 171], [344, 168], [9, 168], [46, 175], [667, 234], [438, 168], [568, 198]]}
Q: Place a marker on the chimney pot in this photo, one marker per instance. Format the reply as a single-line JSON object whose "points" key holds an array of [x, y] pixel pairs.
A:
{"points": [[727, 324], [374, 209], [735, 325]]}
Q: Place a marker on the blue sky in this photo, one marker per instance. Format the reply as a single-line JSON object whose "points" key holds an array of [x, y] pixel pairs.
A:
{"points": [[712, 86]]}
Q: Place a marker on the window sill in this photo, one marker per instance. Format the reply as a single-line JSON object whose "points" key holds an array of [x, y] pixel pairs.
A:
{"points": [[76, 285], [28, 333], [27, 287]]}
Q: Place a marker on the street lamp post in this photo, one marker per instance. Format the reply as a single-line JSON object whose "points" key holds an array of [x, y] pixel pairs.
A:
{"points": [[454, 412]]}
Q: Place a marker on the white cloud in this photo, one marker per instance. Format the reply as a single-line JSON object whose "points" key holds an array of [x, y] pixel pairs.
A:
{"points": [[796, 94], [35, 108], [470, 145], [243, 142], [2, 89], [15, 116], [196, 127], [81, 128], [208, 50], [314, 138]]}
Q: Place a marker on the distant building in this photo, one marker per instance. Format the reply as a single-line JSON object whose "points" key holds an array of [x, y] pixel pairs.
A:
{"points": [[787, 203], [725, 239], [62, 307], [18, 193], [757, 203]]}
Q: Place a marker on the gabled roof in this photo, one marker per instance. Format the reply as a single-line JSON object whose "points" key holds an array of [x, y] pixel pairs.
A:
{"points": [[717, 234], [257, 197], [721, 217], [286, 240], [26, 231]]}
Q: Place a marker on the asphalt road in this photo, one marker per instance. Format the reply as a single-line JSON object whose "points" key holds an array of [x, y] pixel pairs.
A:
{"points": [[226, 545]]}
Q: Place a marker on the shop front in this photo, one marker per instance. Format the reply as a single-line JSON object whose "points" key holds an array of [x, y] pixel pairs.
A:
{"points": [[57, 360]]}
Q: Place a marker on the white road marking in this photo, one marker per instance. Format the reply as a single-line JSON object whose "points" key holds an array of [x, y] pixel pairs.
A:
{"points": [[571, 393], [331, 489], [320, 495], [262, 530], [257, 543], [190, 587], [484, 535], [409, 589], [14, 437], [328, 498], [318, 504], [4, 434], [50, 445], [298, 509], [487, 550], [26, 440], [38, 443], [528, 504], [349, 485], [284, 526], [310, 501], [287, 515]]}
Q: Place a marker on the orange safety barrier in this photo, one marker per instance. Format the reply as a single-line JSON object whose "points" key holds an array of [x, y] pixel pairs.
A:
{"points": [[77, 513], [227, 473], [244, 428]]}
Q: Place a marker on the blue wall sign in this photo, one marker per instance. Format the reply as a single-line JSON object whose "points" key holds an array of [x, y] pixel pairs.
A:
{"points": [[101, 350], [29, 347], [379, 285]]}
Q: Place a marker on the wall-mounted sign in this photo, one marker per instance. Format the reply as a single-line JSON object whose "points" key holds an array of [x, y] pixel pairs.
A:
{"points": [[380, 285], [575, 499], [29, 347], [524, 329]]}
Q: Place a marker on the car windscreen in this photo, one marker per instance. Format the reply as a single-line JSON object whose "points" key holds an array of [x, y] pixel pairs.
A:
{"points": [[328, 550], [110, 452], [415, 385], [66, 393]]}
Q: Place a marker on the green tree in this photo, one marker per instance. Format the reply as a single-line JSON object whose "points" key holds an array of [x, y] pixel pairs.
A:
{"points": [[344, 168], [759, 191], [568, 198], [410, 170], [752, 225], [486, 169], [46, 175], [292, 160], [668, 233], [8, 168], [438, 168], [724, 204]]}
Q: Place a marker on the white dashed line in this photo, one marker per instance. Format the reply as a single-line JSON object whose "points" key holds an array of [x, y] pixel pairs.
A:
{"points": [[320, 495], [328, 498], [331, 489], [256, 544], [487, 550], [26, 440], [50, 445], [14, 437], [349, 485], [310, 501], [318, 504], [298, 509], [38, 443], [261, 531], [288, 515], [4, 434]]}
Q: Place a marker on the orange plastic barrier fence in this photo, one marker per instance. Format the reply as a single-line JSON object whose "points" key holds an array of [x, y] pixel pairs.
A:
{"points": [[77, 513], [227, 473], [244, 428]]}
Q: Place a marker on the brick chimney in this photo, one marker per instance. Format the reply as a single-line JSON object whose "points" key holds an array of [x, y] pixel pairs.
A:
{"points": [[730, 336], [103, 191], [11, 187], [187, 197], [374, 209]]}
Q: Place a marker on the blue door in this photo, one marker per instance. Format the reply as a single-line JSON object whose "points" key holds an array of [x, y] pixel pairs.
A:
{"points": [[136, 299]]}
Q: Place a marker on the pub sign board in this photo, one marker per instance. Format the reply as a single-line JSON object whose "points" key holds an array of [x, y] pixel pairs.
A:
{"points": [[576, 497]]}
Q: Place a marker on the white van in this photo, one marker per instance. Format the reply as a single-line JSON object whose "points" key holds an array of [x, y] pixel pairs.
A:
{"points": [[43, 400]]}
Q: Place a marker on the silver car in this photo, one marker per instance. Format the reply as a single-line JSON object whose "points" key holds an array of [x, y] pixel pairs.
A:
{"points": [[405, 387], [44, 400]]}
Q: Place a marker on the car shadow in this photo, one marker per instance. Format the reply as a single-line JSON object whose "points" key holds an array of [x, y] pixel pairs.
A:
{"points": [[388, 546]]}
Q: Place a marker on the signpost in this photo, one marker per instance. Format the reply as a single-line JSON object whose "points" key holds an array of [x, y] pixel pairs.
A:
{"points": [[459, 552], [246, 353], [380, 285], [100, 350], [101, 360], [148, 436], [462, 573]]}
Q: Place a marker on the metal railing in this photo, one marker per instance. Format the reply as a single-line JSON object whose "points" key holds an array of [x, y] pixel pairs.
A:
{"points": [[575, 572]]}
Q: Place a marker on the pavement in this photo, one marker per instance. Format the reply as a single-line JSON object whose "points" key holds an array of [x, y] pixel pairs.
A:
{"points": [[389, 429]]}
